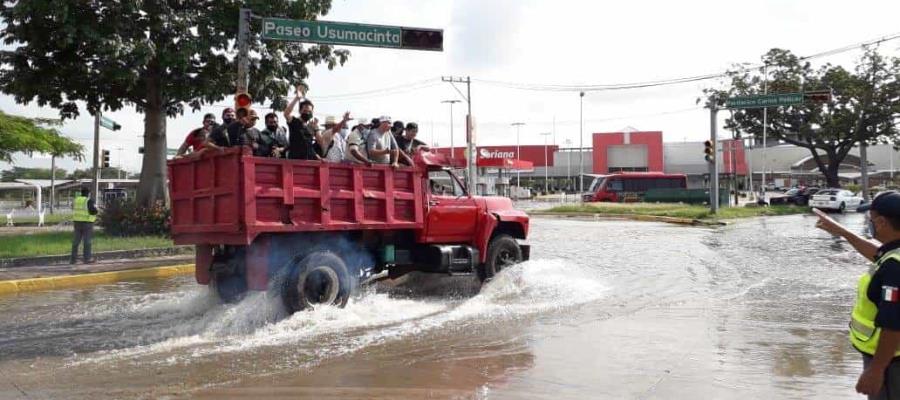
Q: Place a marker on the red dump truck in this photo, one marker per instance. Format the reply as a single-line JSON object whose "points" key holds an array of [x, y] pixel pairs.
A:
{"points": [[313, 231]]}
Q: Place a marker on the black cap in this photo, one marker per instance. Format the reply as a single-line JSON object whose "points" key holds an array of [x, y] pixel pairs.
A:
{"points": [[886, 203], [412, 125]]}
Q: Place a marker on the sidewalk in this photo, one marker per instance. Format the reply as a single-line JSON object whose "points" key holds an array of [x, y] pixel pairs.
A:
{"points": [[14, 280]]}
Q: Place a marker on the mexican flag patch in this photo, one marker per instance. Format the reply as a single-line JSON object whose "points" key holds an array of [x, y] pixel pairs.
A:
{"points": [[890, 294]]}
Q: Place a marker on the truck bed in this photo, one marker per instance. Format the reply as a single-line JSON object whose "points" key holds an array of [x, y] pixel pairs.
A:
{"points": [[231, 197]]}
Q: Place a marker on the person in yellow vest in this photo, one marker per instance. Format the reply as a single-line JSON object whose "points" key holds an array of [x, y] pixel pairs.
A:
{"points": [[875, 319], [84, 213]]}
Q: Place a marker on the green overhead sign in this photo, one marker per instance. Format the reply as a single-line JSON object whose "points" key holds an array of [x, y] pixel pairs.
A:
{"points": [[766, 100], [109, 124], [344, 33]]}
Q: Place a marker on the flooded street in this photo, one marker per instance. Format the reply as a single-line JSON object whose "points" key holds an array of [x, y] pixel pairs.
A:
{"points": [[605, 309]]}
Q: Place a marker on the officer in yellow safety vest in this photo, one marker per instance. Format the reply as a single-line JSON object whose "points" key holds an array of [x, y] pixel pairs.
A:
{"points": [[84, 213], [875, 319]]}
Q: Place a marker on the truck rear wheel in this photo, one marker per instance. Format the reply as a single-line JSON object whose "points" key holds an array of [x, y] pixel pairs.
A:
{"points": [[319, 278], [503, 251], [228, 279]]}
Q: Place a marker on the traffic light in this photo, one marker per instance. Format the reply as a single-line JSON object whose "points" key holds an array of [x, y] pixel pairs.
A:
{"points": [[242, 101], [709, 151], [817, 96], [105, 159], [422, 39]]}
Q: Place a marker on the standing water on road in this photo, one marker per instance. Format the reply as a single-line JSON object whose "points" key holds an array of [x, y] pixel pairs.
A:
{"points": [[606, 309]]}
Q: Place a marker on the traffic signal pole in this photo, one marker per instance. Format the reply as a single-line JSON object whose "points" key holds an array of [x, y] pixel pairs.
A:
{"points": [[243, 44], [95, 186], [714, 165]]}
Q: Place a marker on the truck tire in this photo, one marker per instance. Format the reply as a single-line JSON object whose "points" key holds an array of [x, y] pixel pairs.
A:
{"points": [[503, 251], [228, 281], [319, 278]]}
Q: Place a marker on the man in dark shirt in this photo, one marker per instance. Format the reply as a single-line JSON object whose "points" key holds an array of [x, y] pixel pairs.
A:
{"points": [[408, 143], [875, 320], [303, 130], [219, 134], [271, 141]]}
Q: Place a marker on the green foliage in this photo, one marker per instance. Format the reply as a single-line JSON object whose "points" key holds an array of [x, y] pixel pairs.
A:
{"points": [[60, 243], [105, 173], [14, 173], [863, 107], [32, 135], [127, 218], [158, 56]]}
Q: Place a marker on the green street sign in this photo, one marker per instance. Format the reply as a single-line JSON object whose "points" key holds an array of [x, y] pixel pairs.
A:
{"points": [[766, 100], [109, 124], [344, 33]]}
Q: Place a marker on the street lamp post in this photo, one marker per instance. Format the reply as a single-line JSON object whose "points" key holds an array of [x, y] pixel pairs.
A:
{"points": [[518, 157], [581, 148], [452, 102], [568, 143], [546, 163]]}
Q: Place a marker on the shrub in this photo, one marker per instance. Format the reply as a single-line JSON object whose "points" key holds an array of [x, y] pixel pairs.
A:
{"points": [[853, 188], [127, 218]]}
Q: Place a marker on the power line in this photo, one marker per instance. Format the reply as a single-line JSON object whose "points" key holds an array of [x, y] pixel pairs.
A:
{"points": [[673, 81]]}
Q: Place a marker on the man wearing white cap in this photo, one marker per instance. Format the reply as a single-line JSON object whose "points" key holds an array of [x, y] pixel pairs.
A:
{"points": [[333, 141], [381, 145], [356, 144]]}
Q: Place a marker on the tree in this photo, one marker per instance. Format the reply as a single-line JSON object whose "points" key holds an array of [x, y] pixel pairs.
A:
{"points": [[157, 56], [863, 108], [33, 135], [14, 173]]}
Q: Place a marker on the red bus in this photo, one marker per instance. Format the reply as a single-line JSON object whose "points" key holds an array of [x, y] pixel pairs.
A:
{"points": [[618, 187]]}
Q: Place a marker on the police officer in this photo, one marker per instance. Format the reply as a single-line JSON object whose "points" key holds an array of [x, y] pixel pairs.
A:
{"points": [[84, 213], [875, 320]]}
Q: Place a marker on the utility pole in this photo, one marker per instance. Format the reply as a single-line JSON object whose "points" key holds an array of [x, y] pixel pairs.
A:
{"points": [[713, 166], [581, 149], [518, 156], [762, 186], [53, 181], [546, 163], [864, 168], [451, 102], [568, 163], [95, 186], [471, 175], [243, 45]]}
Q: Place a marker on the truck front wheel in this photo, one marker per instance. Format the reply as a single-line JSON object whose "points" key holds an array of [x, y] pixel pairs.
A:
{"points": [[319, 278], [503, 251]]}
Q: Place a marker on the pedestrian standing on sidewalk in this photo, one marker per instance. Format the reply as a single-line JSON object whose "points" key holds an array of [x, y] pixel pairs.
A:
{"points": [[875, 320], [84, 214]]}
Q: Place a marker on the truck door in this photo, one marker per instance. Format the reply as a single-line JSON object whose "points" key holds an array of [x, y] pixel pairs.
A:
{"points": [[451, 211]]}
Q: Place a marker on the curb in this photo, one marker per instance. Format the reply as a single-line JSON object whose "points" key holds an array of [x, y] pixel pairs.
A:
{"points": [[97, 278], [103, 255], [635, 217]]}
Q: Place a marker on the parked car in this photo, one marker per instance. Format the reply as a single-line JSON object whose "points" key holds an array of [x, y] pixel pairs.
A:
{"points": [[835, 199], [798, 196]]}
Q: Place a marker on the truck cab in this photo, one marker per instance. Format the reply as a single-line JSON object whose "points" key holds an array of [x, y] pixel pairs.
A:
{"points": [[313, 231]]}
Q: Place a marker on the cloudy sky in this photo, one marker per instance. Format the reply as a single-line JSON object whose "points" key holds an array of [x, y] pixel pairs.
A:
{"points": [[513, 42]]}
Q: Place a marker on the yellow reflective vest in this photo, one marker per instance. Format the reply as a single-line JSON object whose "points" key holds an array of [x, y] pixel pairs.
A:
{"points": [[80, 212], [863, 332]]}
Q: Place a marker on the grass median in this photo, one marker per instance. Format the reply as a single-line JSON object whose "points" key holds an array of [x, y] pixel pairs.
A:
{"points": [[60, 243], [675, 210]]}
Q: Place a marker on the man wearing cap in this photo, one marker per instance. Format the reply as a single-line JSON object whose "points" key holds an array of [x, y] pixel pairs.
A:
{"points": [[219, 134], [356, 144], [381, 145], [333, 141], [875, 319], [408, 143]]}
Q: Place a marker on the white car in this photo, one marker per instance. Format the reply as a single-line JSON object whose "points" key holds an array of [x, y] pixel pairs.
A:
{"points": [[835, 199]]}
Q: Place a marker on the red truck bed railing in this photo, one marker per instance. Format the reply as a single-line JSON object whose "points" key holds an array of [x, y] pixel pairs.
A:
{"points": [[230, 197]]}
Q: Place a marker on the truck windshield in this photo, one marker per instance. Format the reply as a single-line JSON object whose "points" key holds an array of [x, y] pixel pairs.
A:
{"points": [[442, 183]]}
